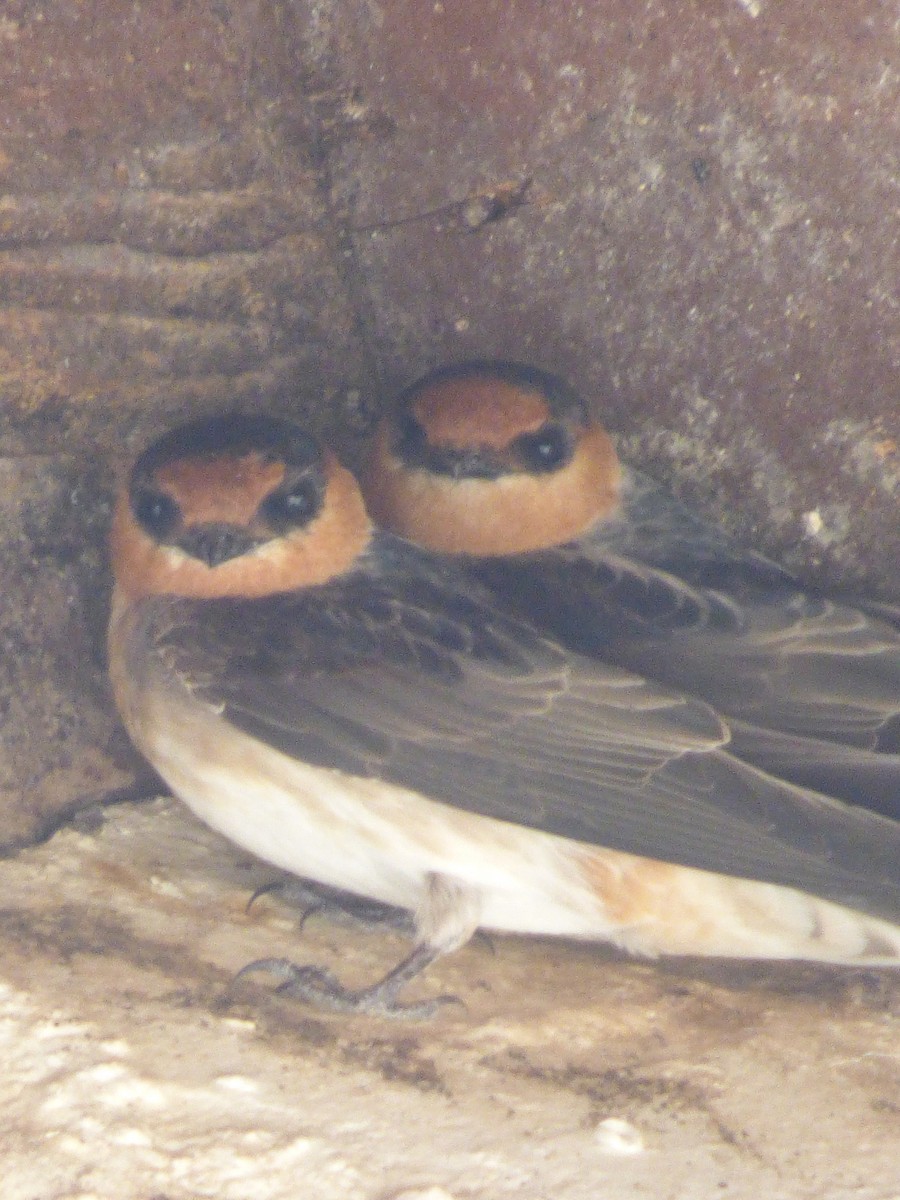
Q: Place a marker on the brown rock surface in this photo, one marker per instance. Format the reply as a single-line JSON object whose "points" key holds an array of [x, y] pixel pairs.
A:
{"points": [[690, 210]]}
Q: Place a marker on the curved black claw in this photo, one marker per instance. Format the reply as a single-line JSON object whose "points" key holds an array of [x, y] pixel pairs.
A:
{"points": [[319, 987], [343, 907], [303, 895]]}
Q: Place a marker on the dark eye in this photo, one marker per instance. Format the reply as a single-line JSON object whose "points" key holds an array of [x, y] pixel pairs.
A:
{"points": [[157, 512], [411, 438], [290, 507], [546, 450]]}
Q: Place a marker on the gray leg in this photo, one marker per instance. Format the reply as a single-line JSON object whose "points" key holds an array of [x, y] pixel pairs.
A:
{"points": [[445, 920]]}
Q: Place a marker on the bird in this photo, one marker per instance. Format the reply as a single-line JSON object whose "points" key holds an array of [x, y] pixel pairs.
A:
{"points": [[358, 712], [501, 465]]}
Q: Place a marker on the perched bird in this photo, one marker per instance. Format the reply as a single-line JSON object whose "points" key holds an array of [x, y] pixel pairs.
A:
{"points": [[501, 465], [356, 711]]}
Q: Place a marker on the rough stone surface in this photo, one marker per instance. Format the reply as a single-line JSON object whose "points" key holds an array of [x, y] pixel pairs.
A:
{"points": [[59, 746], [133, 1066], [164, 251], [689, 210]]}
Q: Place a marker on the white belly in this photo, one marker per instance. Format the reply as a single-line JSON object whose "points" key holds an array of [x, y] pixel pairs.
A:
{"points": [[387, 843], [367, 837]]}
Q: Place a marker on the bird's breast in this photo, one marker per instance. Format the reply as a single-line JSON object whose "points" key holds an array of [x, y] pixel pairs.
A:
{"points": [[360, 834]]}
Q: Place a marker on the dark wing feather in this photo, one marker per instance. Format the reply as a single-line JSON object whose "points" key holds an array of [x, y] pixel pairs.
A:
{"points": [[394, 672], [858, 776], [661, 593]]}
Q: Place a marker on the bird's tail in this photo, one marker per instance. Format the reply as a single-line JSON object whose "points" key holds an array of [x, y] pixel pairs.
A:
{"points": [[677, 910]]}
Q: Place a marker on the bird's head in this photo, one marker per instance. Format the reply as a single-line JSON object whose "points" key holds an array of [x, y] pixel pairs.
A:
{"points": [[235, 506], [490, 458]]}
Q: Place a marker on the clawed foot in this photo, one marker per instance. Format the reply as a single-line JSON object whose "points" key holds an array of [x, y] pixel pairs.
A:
{"points": [[319, 987], [446, 918]]}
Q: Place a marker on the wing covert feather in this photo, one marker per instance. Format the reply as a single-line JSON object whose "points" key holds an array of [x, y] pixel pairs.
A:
{"points": [[662, 593], [392, 672]]}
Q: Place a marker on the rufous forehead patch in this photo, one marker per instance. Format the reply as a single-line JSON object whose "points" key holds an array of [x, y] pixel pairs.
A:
{"points": [[224, 489], [478, 411]]}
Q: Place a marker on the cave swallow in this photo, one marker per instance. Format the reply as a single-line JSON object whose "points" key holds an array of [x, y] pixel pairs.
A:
{"points": [[357, 711], [501, 465]]}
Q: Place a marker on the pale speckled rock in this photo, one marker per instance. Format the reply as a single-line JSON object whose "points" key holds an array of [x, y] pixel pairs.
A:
{"points": [[430, 1193], [132, 1065], [619, 1138]]}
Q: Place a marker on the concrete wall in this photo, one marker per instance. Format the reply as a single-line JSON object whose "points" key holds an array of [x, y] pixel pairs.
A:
{"points": [[690, 209]]}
